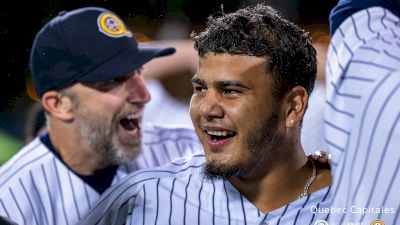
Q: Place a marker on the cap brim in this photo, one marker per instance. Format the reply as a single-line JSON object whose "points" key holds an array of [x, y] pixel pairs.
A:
{"points": [[126, 62]]}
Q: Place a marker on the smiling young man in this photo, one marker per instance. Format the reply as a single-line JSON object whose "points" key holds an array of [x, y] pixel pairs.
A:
{"points": [[86, 66], [255, 73], [249, 136]]}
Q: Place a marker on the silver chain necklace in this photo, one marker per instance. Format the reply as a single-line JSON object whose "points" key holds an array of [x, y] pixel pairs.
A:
{"points": [[309, 182]]}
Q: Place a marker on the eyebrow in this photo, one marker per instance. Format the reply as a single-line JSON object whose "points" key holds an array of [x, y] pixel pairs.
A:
{"points": [[227, 83], [220, 84], [198, 81]]}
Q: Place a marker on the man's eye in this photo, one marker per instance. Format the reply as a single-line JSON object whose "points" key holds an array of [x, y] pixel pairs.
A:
{"points": [[105, 86], [198, 89], [118, 80], [139, 71], [230, 91]]}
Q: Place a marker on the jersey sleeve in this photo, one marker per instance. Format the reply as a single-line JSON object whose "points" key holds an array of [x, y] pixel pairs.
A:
{"points": [[362, 117]]}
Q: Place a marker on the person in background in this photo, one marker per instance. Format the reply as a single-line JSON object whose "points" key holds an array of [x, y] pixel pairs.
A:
{"points": [[86, 67]]}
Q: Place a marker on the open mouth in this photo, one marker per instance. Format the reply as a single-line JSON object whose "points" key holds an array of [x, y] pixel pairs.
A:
{"points": [[220, 135], [130, 123]]}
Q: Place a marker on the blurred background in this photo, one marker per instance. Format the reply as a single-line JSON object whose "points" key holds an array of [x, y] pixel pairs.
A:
{"points": [[150, 20]]}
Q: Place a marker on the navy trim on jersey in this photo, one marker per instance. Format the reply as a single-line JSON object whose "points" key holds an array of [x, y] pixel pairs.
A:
{"points": [[99, 181], [346, 8], [102, 179]]}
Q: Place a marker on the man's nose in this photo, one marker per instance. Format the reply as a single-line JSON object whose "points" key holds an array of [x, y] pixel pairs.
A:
{"points": [[209, 107], [137, 89]]}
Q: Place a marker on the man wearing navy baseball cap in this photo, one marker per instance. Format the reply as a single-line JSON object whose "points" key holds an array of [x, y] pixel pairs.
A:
{"points": [[85, 66], [86, 45]]}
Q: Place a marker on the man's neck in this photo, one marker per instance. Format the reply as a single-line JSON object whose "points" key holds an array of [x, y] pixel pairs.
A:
{"points": [[76, 153], [99, 181], [282, 183]]}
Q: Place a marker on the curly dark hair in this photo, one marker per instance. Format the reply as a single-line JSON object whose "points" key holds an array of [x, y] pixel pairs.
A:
{"points": [[260, 31]]}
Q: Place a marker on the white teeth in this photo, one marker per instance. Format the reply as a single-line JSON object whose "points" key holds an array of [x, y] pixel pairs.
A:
{"points": [[134, 115], [220, 133]]}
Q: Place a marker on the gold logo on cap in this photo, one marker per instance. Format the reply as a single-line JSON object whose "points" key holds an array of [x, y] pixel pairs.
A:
{"points": [[377, 222], [112, 26]]}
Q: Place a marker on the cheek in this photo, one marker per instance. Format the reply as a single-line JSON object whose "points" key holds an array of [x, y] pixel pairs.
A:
{"points": [[248, 116], [105, 109], [194, 109], [239, 112], [108, 108]]}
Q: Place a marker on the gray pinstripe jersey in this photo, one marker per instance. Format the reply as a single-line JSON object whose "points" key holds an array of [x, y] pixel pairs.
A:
{"points": [[177, 194], [37, 188], [363, 117]]}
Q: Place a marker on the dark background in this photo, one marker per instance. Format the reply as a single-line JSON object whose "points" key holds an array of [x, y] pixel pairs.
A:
{"points": [[20, 21]]}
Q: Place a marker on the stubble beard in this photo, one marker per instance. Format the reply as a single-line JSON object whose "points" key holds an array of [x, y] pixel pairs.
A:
{"points": [[259, 141], [102, 139]]}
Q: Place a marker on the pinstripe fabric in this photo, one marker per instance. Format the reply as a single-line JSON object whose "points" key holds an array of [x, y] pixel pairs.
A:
{"points": [[37, 188], [177, 194], [363, 117]]}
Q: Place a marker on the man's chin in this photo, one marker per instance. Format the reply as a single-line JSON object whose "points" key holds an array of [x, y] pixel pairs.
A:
{"points": [[132, 154], [125, 154], [214, 171]]}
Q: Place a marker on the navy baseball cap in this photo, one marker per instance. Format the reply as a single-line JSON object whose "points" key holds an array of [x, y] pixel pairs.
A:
{"points": [[89, 44]]}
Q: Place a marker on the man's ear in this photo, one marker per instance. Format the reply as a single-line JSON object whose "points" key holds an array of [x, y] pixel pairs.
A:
{"points": [[58, 105], [297, 102]]}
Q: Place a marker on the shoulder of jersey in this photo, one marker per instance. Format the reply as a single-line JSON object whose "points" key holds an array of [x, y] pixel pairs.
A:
{"points": [[177, 168], [27, 159]]}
